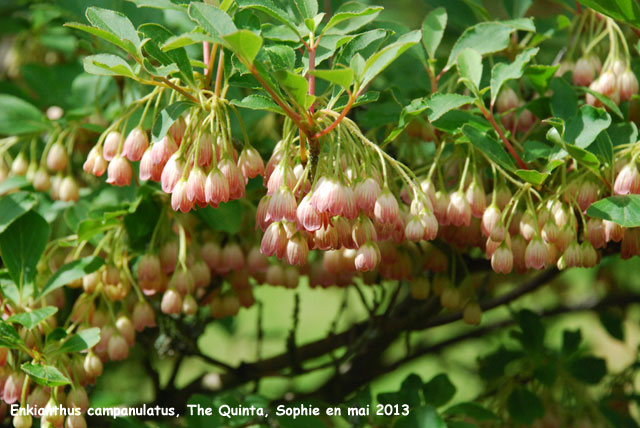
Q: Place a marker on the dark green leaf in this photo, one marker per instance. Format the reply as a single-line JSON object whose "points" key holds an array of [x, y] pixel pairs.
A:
{"points": [[271, 9], [439, 390], [14, 205], [123, 44], [91, 227], [159, 35], [502, 72], [571, 341], [605, 100], [306, 8], [602, 147], [623, 133], [624, 210], [493, 365], [524, 406], [167, 116], [281, 57], [546, 372], [22, 244], [258, 102], [613, 322], [9, 337], [295, 84], [19, 117], [439, 104], [489, 146], [70, 272], [84, 339], [472, 410], [623, 10], [45, 375], [212, 19], [564, 102], [583, 129], [540, 76], [33, 318], [227, 217], [532, 176], [533, 331], [433, 30], [422, 417], [589, 370]]}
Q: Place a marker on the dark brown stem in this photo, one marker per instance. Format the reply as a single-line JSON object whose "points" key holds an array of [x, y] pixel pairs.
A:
{"points": [[180, 90]]}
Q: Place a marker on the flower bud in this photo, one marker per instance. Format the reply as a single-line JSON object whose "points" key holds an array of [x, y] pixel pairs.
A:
{"points": [[472, 313], [22, 421], [612, 231], [386, 209], [78, 398], [196, 185], [528, 225], [414, 230], [234, 177], [628, 180], [189, 305], [628, 84], [171, 302], [536, 255], [584, 72], [57, 158], [161, 151], [476, 198], [171, 173], [297, 250], [595, 233], [275, 275], [367, 256], [608, 84], [366, 193], [13, 388], [250, 163], [589, 255], [490, 218], [179, 200], [307, 215], [507, 100], [450, 298], [41, 180], [291, 277], [630, 243], [75, 421], [282, 205], [143, 316], [232, 257], [69, 190], [216, 187], [118, 349], [274, 241], [149, 170], [212, 255], [119, 172], [111, 145], [135, 144], [502, 259], [92, 365], [458, 210], [126, 329]]}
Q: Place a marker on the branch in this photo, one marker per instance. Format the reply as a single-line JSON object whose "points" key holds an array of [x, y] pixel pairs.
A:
{"points": [[489, 116]]}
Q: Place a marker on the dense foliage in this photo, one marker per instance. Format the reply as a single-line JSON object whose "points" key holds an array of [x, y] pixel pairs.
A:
{"points": [[425, 176]]}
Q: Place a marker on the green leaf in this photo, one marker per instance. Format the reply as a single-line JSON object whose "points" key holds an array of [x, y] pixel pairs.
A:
{"points": [[158, 35], [439, 390], [117, 24], [533, 331], [70, 272], [623, 10], [212, 19], [540, 76], [22, 244], [281, 57], [502, 72], [227, 217], [602, 147], [490, 147], [33, 318], [271, 9], [244, 43], [258, 102], [345, 14], [524, 406], [605, 100], [341, 76], [380, 60], [470, 66], [472, 410], [306, 8], [588, 369], [623, 210], [45, 375], [571, 341], [532, 176], [83, 339], [439, 104], [125, 45], [9, 337], [14, 205], [486, 37], [18, 117], [613, 322], [517, 8], [421, 417], [623, 133], [564, 102], [433, 30], [583, 129], [185, 39], [107, 65], [295, 84], [167, 117]]}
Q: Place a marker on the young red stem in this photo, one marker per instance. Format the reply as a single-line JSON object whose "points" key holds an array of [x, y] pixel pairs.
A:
{"points": [[205, 56], [506, 142], [310, 77], [209, 71], [336, 122]]}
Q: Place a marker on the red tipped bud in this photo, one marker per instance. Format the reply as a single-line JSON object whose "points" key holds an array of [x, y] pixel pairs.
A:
{"points": [[135, 144]]}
